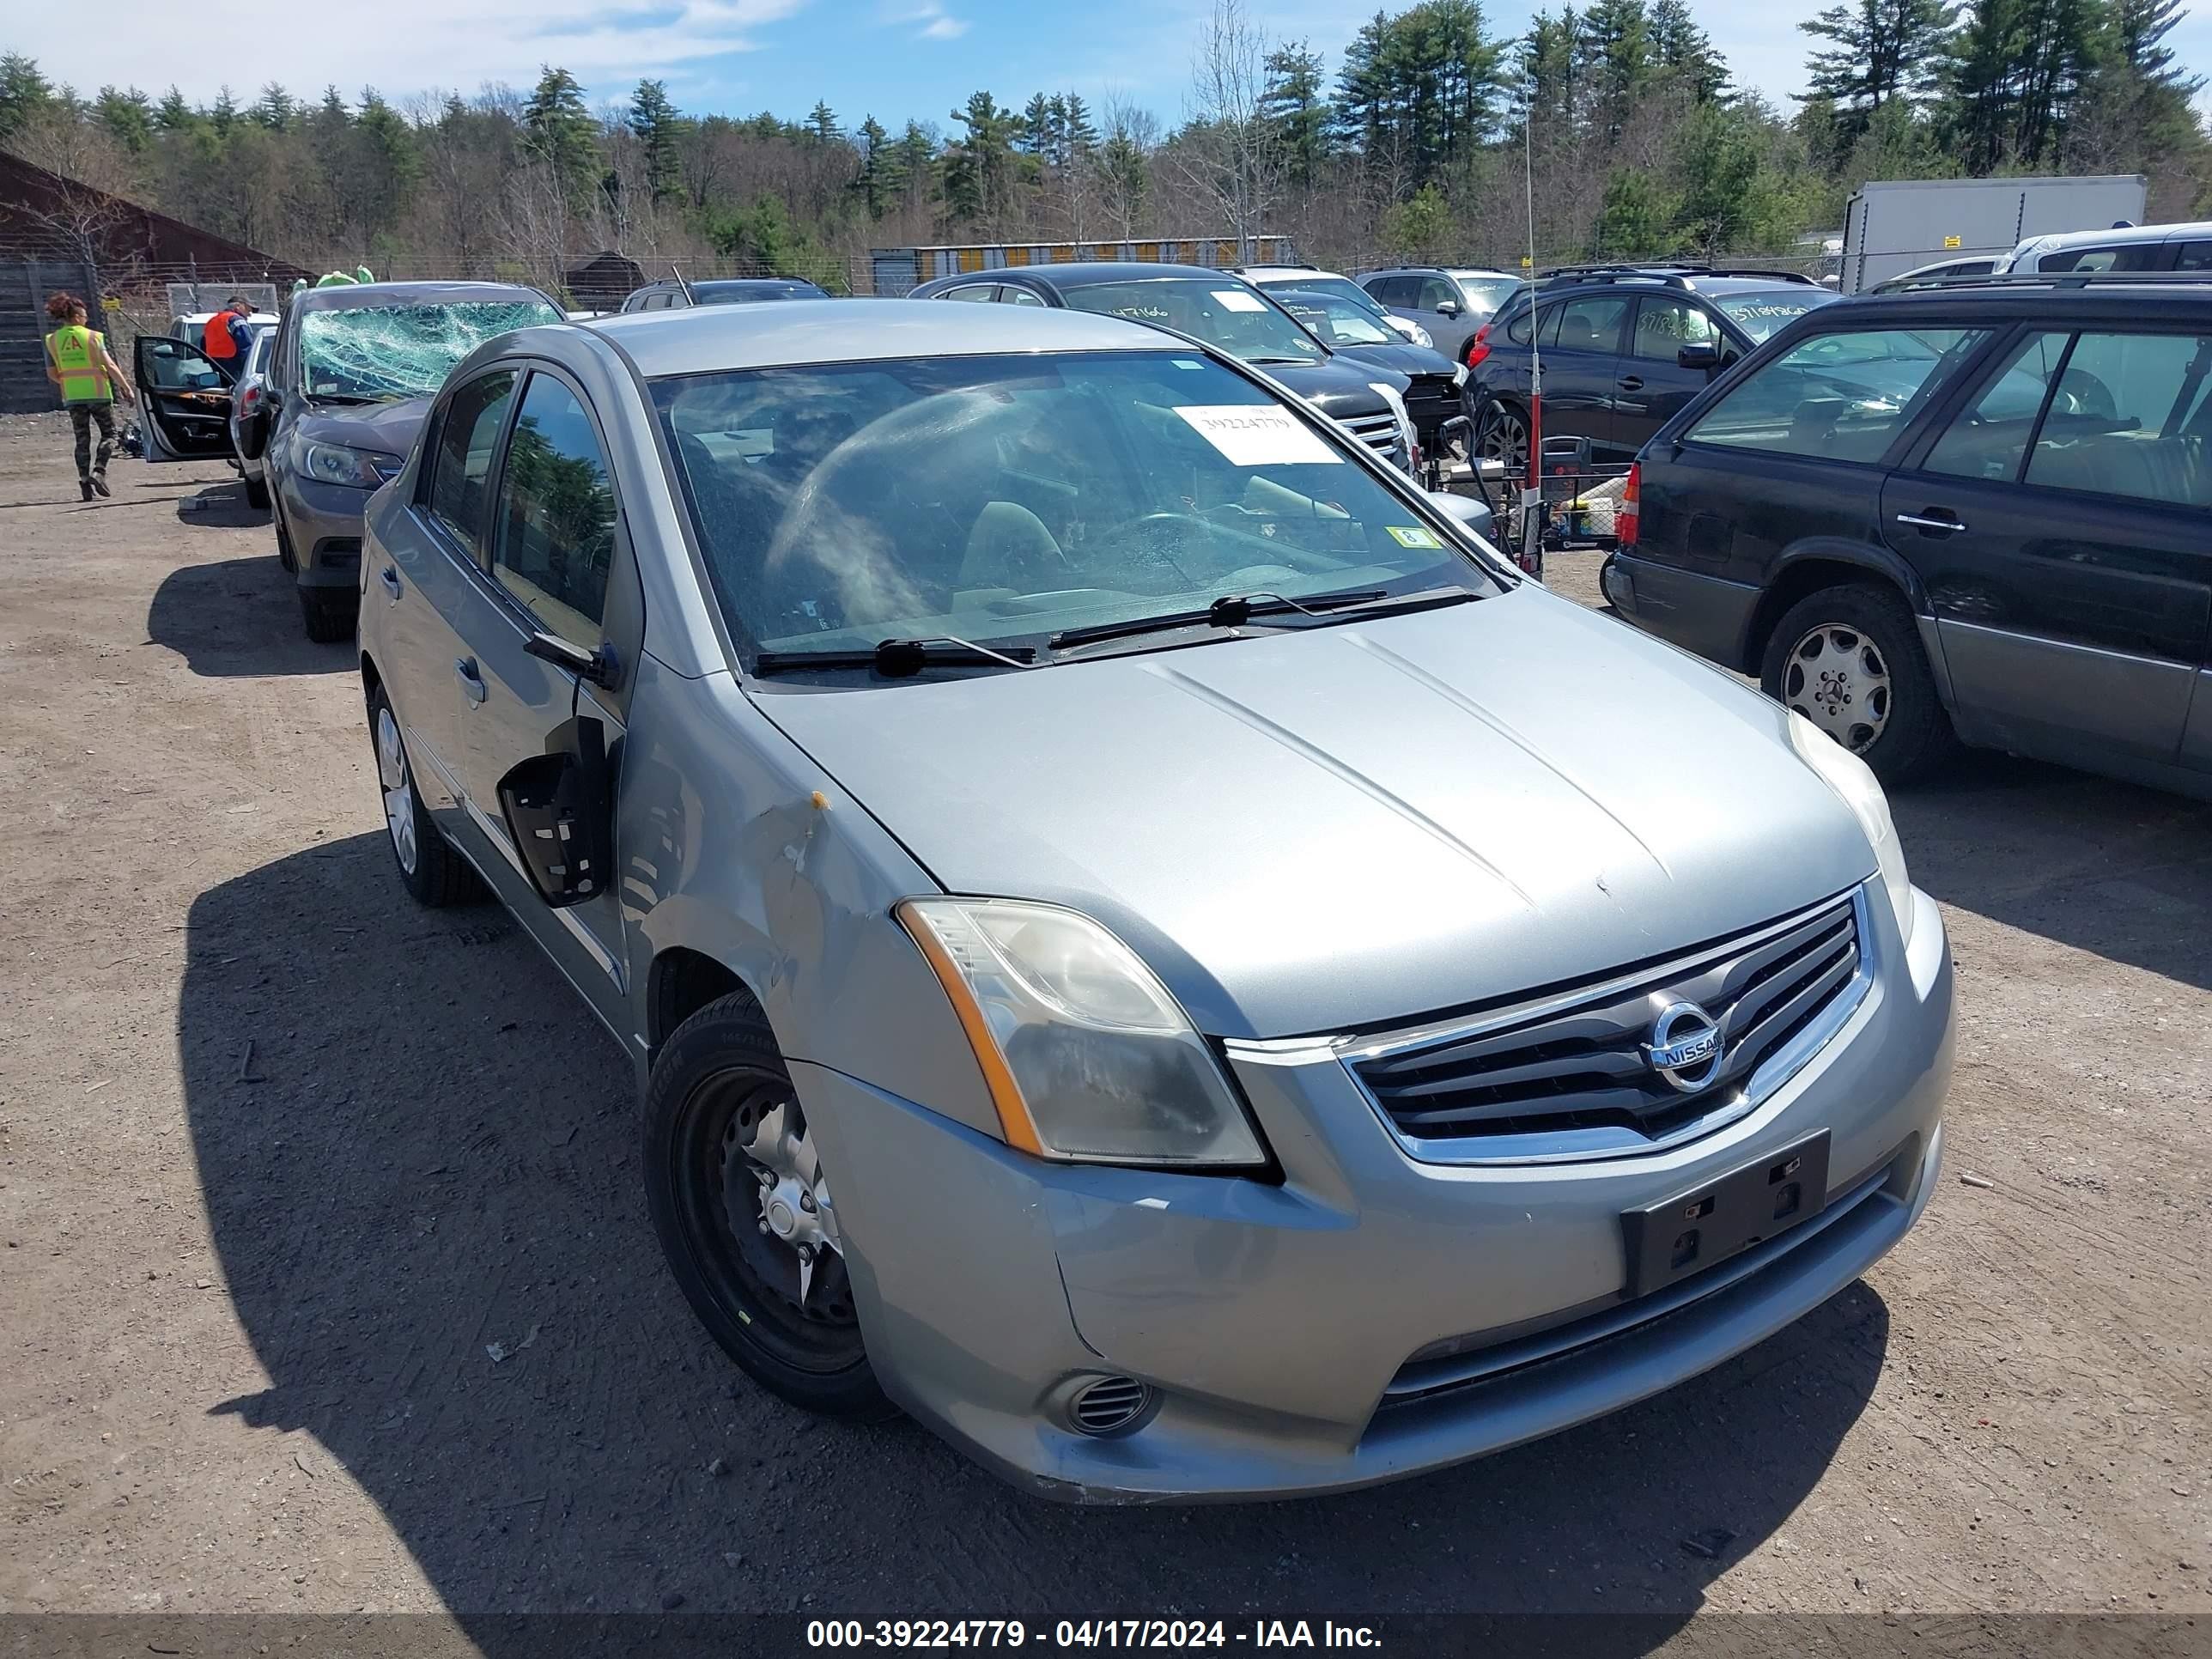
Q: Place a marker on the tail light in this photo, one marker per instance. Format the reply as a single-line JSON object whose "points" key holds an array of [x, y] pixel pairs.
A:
{"points": [[248, 399], [1479, 347], [1631, 510]]}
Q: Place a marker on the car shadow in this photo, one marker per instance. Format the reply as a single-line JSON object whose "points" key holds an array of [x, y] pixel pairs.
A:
{"points": [[221, 507], [238, 617], [2120, 872], [418, 1156]]}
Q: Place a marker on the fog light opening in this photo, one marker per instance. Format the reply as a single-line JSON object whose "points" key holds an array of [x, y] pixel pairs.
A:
{"points": [[1111, 1406]]}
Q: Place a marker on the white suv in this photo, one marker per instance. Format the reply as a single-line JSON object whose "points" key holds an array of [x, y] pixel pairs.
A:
{"points": [[2124, 247]]}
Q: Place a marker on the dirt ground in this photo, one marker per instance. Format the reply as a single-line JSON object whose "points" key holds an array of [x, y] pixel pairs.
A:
{"points": [[280, 1155]]}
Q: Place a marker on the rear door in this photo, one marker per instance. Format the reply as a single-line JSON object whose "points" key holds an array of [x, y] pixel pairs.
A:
{"points": [[2063, 522], [185, 400], [559, 560], [1580, 339], [1653, 387]]}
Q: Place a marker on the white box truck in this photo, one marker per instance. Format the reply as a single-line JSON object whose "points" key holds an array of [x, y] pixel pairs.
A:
{"points": [[1892, 227]]}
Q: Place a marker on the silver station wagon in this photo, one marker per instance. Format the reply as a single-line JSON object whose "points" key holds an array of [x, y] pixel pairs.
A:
{"points": [[1140, 943]]}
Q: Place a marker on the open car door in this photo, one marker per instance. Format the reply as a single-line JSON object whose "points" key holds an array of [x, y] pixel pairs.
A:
{"points": [[186, 400]]}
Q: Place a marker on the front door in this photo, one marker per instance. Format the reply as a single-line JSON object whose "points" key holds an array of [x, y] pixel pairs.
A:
{"points": [[1581, 360], [558, 564], [1653, 387], [186, 400], [2063, 521]]}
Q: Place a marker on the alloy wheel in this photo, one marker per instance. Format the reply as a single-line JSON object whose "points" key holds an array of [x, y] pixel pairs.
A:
{"points": [[1505, 438], [1835, 677], [398, 788]]}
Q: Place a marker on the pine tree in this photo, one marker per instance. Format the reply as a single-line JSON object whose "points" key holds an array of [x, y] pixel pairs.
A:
{"points": [[1293, 107], [653, 120], [1682, 49], [874, 183], [223, 115], [978, 166], [557, 130], [822, 124], [1035, 134], [1878, 50], [129, 116], [274, 109], [24, 92], [1079, 133]]}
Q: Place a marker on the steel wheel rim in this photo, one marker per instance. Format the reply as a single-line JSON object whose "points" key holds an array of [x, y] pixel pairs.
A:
{"points": [[1506, 438], [398, 788], [1837, 679], [742, 1149]]}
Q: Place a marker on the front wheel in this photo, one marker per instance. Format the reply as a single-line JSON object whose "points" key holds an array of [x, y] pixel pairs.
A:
{"points": [[743, 1207], [1848, 659], [1504, 437], [433, 873]]}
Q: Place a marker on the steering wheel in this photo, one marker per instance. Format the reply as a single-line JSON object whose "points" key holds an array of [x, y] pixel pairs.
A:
{"points": [[2087, 396]]}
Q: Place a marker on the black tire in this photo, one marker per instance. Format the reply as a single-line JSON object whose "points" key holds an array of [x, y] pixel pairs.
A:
{"points": [[719, 1072], [432, 872], [1907, 729], [1504, 436], [329, 613], [256, 495]]}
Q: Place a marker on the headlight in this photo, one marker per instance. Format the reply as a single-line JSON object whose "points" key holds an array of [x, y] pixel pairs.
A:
{"points": [[360, 469], [1850, 777], [1422, 338], [1405, 446], [1088, 1057]]}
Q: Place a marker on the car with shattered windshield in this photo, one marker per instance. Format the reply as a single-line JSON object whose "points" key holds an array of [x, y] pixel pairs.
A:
{"points": [[350, 378], [1136, 941]]}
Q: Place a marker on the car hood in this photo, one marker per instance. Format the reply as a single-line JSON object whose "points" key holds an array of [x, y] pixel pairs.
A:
{"points": [[1339, 387], [1357, 824], [390, 428], [1406, 360]]}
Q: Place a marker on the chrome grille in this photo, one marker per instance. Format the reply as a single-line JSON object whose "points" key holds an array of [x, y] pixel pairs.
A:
{"points": [[1569, 1075], [1378, 432]]}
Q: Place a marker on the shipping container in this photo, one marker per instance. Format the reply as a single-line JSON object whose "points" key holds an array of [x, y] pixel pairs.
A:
{"points": [[1893, 226]]}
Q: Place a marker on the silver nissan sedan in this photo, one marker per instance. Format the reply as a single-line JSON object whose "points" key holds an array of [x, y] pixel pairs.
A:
{"points": [[1144, 943]]}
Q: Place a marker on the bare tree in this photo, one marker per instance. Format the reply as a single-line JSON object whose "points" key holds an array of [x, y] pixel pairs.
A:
{"points": [[1119, 167], [92, 173], [1227, 149]]}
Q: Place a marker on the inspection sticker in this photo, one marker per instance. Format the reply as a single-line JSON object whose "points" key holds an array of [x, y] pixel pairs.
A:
{"points": [[1413, 535], [1236, 299], [1257, 435]]}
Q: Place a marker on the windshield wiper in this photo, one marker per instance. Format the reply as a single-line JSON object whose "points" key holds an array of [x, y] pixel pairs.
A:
{"points": [[898, 658], [1230, 610]]}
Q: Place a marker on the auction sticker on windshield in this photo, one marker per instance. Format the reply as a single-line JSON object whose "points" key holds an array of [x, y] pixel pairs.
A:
{"points": [[1232, 300], [1255, 434], [1413, 535]]}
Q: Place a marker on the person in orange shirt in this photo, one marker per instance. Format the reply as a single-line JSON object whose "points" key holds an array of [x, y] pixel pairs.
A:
{"points": [[78, 363], [227, 337]]}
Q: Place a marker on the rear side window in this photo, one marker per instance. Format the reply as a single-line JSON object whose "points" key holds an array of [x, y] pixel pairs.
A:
{"points": [[1395, 290], [984, 292], [2129, 418], [2193, 256], [1014, 295], [1589, 324], [554, 525], [1520, 327], [1841, 396], [473, 417]]}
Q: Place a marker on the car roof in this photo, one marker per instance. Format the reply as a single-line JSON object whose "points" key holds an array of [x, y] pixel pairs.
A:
{"points": [[2177, 299], [1090, 272], [1281, 273], [354, 296], [2059, 240], [690, 340], [725, 284]]}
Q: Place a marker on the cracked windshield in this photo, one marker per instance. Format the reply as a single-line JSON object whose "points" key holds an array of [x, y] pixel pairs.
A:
{"points": [[381, 353], [999, 500]]}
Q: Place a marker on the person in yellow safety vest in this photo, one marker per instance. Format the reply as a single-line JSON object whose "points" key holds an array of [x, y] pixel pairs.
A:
{"points": [[78, 364]]}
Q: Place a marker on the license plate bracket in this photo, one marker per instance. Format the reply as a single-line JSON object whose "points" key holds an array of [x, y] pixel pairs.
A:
{"points": [[1705, 1225]]}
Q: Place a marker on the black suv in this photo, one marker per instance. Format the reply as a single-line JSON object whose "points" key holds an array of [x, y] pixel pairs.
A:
{"points": [[1983, 511], [1623, 347]]}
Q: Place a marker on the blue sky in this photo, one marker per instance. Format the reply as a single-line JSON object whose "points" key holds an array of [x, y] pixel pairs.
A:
{"points": [[894, 57]]}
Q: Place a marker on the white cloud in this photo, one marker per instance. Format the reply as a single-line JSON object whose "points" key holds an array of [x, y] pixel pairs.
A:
{"points": [[928, 19], [410, 47]]}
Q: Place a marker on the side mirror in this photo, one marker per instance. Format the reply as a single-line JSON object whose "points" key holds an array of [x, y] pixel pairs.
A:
{"points": [[1447, 307], [597, 666], [1704, 356], [559, 808], [1468, 513]]}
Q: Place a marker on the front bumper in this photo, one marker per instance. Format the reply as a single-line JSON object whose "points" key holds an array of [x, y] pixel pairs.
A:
{"points": [[1277, 1321], [324, 521]]}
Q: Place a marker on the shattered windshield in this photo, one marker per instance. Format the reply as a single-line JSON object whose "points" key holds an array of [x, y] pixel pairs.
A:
{"points": [[387, 352]]}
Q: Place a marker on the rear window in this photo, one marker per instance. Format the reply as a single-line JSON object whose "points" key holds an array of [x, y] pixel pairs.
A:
{"points": [[1844, 396]]}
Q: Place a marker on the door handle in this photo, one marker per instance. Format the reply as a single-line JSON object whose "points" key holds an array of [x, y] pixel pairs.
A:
{"points": [[1944, 526], [1632, 383], [472, 682], [390, 578]]}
